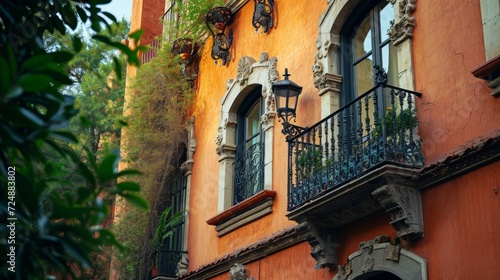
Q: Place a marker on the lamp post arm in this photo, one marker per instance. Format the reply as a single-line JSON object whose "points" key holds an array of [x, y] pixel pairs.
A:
{"points": [[291, 130]]}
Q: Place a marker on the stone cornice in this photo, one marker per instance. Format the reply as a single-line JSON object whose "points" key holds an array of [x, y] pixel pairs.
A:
{"points": [[470, 157], [275, 243]]}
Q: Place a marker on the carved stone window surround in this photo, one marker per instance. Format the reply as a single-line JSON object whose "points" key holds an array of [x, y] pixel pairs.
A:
{"points": [[326, 72], [251, 74], [378, 255]]}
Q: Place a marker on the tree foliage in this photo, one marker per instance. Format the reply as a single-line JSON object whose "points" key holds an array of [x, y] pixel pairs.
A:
{"points": [[52, 232]]}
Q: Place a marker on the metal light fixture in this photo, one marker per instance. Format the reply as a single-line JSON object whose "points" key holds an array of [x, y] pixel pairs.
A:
{"points": [[286, 94], [217, 19], [187, 51], [263, 15]]}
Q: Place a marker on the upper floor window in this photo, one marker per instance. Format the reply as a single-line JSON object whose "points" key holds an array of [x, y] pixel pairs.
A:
{"points": [[245, 187], [249, 164], [365, 43]]}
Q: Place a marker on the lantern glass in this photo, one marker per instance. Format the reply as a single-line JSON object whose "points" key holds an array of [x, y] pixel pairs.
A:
{"points": [[286, 95]]}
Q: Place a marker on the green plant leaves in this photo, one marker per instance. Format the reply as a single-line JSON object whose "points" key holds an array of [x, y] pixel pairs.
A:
{"points": [[108, 167], [135, 200]]}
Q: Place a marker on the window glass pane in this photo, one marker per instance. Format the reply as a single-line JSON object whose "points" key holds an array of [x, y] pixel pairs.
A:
{"points": [[363, 39], [386, 16], [363, 73], [253, 121]]}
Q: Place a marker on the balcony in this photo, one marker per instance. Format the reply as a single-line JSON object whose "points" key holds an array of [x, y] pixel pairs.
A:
{"points": [[361, 159], [378, 128]]}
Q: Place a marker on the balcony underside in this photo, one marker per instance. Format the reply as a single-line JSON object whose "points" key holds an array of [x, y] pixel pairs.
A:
{"points": [[353, 200]]}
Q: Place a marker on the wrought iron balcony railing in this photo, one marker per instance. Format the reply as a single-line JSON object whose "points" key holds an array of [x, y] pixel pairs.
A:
{"points": [[249, 173], [379, 127], [168, 262]]}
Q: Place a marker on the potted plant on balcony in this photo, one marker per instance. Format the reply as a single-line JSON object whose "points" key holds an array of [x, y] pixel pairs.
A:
{"points": [[310, 167], [398, 125], [164, 229]]}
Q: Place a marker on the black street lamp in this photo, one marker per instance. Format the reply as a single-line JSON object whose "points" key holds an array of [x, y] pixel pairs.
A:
{"points": [[286, 94]]}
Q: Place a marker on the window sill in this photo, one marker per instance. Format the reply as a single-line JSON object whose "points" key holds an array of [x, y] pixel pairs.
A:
{"points": [[490, 71], [249, 210]]}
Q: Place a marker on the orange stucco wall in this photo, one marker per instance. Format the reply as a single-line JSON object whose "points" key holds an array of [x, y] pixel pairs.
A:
{"points": [[461, 220], [292, 264], [460, 242], [461, 217], [455, 107], [294, 46]]}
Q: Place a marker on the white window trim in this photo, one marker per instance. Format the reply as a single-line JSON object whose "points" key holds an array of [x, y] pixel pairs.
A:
{"points": [[251, 74]]}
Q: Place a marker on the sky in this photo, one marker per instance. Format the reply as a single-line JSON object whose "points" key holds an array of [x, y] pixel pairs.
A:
{"points": [[119, 8]]}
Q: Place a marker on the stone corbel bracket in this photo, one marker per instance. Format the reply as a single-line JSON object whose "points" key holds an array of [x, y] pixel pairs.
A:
{"points": [[404, 205], [322, 241]]}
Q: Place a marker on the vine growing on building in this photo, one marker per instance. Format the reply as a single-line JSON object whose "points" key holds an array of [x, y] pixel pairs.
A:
{"points": [[153, 140], [189, 19]]}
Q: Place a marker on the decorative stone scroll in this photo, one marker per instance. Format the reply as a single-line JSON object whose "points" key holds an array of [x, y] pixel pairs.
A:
{"points": [[404, 205], [182, 265], [187, 166], [244, 69], [251, 74], [323, 246], [238, 272], [404, 23]]}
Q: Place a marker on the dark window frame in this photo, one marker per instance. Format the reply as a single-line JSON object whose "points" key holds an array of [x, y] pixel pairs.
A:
{"points": [[254, 97], [347, 33]]}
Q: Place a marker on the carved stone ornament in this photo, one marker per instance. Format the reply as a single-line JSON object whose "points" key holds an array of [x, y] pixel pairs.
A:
{"points": [[367, 260], [402, 28], [218, 141], [182, 265], [378, 254], [187, 166], [267, 119], [272, 68], [326, 80], [404, 205], [244, 69], [238, 272], [323, 246]]}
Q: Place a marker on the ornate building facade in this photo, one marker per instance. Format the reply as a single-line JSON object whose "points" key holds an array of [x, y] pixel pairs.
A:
{"points": [[391, 168]]}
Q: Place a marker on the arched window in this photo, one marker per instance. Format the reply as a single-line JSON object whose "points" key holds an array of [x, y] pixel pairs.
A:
{"points": [[245, 163], [365, 43], [354, 36], [249, 163]]}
